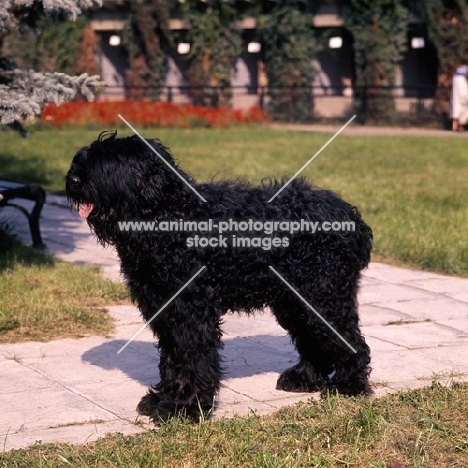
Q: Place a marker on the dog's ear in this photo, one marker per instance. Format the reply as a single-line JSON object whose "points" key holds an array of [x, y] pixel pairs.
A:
{"points": [[149, 180]]}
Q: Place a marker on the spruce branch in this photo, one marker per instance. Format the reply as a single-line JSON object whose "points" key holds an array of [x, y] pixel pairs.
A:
{"points": [[24, 93], [28, 91], [14, 11], [16, 106]]}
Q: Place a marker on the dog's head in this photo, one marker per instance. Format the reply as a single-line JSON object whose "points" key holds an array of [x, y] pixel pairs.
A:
{"points": [[120, 179]]}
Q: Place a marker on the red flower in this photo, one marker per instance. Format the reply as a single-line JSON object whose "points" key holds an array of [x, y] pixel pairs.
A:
{"points": [[161, 114]]}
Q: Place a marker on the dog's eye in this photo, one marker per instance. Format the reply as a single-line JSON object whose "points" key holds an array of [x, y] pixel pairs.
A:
{"points": [[74, 180]]}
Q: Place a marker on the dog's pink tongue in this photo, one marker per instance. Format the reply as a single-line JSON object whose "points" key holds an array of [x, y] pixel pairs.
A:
{"points": [[85, 209]]}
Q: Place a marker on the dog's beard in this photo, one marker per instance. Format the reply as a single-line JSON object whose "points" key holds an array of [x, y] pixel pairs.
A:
{"points": [[85, 209]]}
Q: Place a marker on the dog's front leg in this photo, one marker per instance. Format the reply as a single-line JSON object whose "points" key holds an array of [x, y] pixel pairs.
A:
{"points": [[190, 369]]}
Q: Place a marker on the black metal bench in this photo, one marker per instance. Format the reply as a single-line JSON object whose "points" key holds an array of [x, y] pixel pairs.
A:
{"points": [[33, 192]]}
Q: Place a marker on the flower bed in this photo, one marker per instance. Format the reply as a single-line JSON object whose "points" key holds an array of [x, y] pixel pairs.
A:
{"points": [[161, 114]]}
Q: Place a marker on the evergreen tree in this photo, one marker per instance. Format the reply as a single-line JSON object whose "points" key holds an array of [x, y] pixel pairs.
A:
{"points": [[147, 39], [216, 41], [51, 46], [379, 29], [24, 93], [290, 47]]}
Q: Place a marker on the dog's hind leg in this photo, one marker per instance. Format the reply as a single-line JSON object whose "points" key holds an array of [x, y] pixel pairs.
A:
{"points": [[351, 368], [326, 363], [307, 374], [190, 368], [350, 358], [348, 353]]}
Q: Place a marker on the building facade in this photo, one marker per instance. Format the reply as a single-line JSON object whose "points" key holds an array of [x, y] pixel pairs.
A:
{"points": [[331, 88]]}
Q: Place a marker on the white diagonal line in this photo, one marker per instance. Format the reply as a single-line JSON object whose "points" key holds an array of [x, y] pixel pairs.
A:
{"points": [[161, 309], [312, 158], [165, 162], [313, 310]]}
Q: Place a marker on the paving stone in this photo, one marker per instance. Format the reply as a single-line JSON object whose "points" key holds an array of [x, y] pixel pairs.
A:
{"points": [[390, 274], [73, 433], [118, 397], [459, 324], [261, 387], [452, 358], [459, 296], [48, 407], [434, 308], [417, 335], [383, 294], [13, 372], [440, 285], [378, 315], [246, 358], [261, 323], [399, 369], [378, 345]]}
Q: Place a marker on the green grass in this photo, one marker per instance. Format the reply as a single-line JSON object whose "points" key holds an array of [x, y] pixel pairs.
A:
{"points": [[420, 428], [411, 190], [42, 298]]}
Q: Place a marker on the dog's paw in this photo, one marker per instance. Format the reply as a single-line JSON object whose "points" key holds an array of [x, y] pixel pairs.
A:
{"points": [[298, 378], [148, 403], [347, 388], [160, 408]]}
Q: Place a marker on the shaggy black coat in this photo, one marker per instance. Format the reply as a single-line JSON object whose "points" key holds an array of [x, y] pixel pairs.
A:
{"points": [[122, 179]]}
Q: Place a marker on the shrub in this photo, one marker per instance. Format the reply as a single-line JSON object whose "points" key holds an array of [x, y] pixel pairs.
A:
{"points": [[161, 114]]}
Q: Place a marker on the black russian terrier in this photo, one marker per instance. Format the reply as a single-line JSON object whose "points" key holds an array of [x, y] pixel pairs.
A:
{"points": [[116, 181]]}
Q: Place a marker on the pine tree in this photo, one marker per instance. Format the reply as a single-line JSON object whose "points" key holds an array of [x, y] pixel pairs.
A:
{"points": [[23, 93]]}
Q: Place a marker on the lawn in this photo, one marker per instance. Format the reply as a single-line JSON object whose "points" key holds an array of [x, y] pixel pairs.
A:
{"points": [[411, 190], [43, 298], [417, 429]]}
